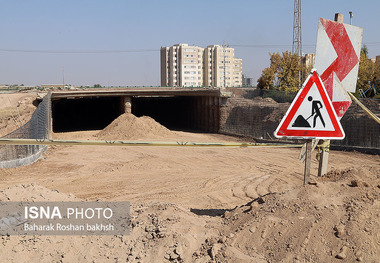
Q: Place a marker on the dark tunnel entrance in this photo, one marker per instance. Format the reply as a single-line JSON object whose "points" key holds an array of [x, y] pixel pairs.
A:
{"points": [[188, 113], [93, 113], [174, 113]]}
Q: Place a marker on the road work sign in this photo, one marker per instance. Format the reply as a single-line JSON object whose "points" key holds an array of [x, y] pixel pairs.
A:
{"points": [[337, 59], [311, 114]]}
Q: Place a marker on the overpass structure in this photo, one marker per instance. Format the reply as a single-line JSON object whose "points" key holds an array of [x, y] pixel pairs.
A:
{"points": [[175, 108]]}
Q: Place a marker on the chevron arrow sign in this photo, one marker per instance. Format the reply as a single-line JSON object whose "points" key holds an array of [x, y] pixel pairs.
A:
{"points": [[337, 59]]}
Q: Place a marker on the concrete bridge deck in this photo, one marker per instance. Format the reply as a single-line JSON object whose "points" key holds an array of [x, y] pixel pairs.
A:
{"points": [[143, 91]]}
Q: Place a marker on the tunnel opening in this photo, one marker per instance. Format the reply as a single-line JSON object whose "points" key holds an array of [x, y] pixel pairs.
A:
{"points": [[92, 113], [193, 113], [175, 113]]}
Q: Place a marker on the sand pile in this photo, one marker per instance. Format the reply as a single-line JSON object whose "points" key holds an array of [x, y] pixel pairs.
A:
{"points": [[129, 127]]}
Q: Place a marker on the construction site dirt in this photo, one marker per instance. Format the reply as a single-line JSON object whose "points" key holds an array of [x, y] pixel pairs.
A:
{"points": [[198, 204]]}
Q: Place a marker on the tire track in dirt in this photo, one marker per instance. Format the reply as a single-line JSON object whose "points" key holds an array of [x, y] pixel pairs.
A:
{"points": [[193, 177]]}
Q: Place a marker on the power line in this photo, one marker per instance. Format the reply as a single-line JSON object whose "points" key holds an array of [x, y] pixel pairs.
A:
{"points": [[372, 43], [269, 46], [151, 50], [78, 51]]}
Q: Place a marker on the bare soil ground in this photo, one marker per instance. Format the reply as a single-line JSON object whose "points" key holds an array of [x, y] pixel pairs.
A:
{"points": [[201, 204]]}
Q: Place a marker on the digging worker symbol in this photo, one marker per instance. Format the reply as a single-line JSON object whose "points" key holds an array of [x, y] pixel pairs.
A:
{"points": [[316, 105]]}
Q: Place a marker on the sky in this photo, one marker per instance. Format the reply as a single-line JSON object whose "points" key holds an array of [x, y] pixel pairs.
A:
{"points": [[117, 42]]}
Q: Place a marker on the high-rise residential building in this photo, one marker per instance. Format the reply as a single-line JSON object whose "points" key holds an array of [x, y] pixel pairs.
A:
{"points": [[247, 82], [181, 66], [186, 66], [309, 60], [238, 73], [222, 69]]}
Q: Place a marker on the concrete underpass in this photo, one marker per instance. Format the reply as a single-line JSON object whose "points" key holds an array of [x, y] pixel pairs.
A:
{"points": [[190, 110]]}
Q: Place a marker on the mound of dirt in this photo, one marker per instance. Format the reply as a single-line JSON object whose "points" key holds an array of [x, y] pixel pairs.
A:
{"points": [[129, 127], [332, 220]]}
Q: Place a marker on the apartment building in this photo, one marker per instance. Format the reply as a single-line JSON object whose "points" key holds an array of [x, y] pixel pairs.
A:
{"points": [[191, 66], [247, 82], [221, 68], [181, 66], [309, 60], [238, 73]]}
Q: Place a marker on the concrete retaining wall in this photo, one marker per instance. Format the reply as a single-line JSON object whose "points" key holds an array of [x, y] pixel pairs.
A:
{"points": [[260, 117]]}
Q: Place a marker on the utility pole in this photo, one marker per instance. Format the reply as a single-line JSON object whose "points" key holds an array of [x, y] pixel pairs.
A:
{"points": [[63, 72], [224, 64]]}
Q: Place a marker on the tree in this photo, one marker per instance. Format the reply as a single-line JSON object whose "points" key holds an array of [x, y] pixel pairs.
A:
{"points": [[365, 50], [283, 72], [369, 72], [266, 79], [288, 71]]}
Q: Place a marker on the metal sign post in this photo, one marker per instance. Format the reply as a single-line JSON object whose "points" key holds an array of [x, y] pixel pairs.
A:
{"points": [[306, 178]]}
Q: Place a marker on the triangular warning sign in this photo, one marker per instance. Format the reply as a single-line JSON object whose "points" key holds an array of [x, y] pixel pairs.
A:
{"points": [[311, 114]]}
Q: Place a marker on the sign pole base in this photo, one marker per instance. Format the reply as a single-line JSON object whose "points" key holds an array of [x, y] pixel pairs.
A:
{"points": [[309, 146], [324, 158]]}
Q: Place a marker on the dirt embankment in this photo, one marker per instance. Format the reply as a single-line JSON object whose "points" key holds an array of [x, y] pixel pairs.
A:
{"points": [[15, 110]]}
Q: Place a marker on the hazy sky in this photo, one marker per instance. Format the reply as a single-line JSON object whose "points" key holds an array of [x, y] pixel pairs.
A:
{"points": [[96, 40]]}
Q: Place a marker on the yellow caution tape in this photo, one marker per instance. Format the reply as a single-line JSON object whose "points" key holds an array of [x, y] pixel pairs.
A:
{"points": [[371, 114], [138, 143], [323, 147]]}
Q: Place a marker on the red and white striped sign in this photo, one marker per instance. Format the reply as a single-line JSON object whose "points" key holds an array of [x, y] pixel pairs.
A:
{"points": [[337, 59]]}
